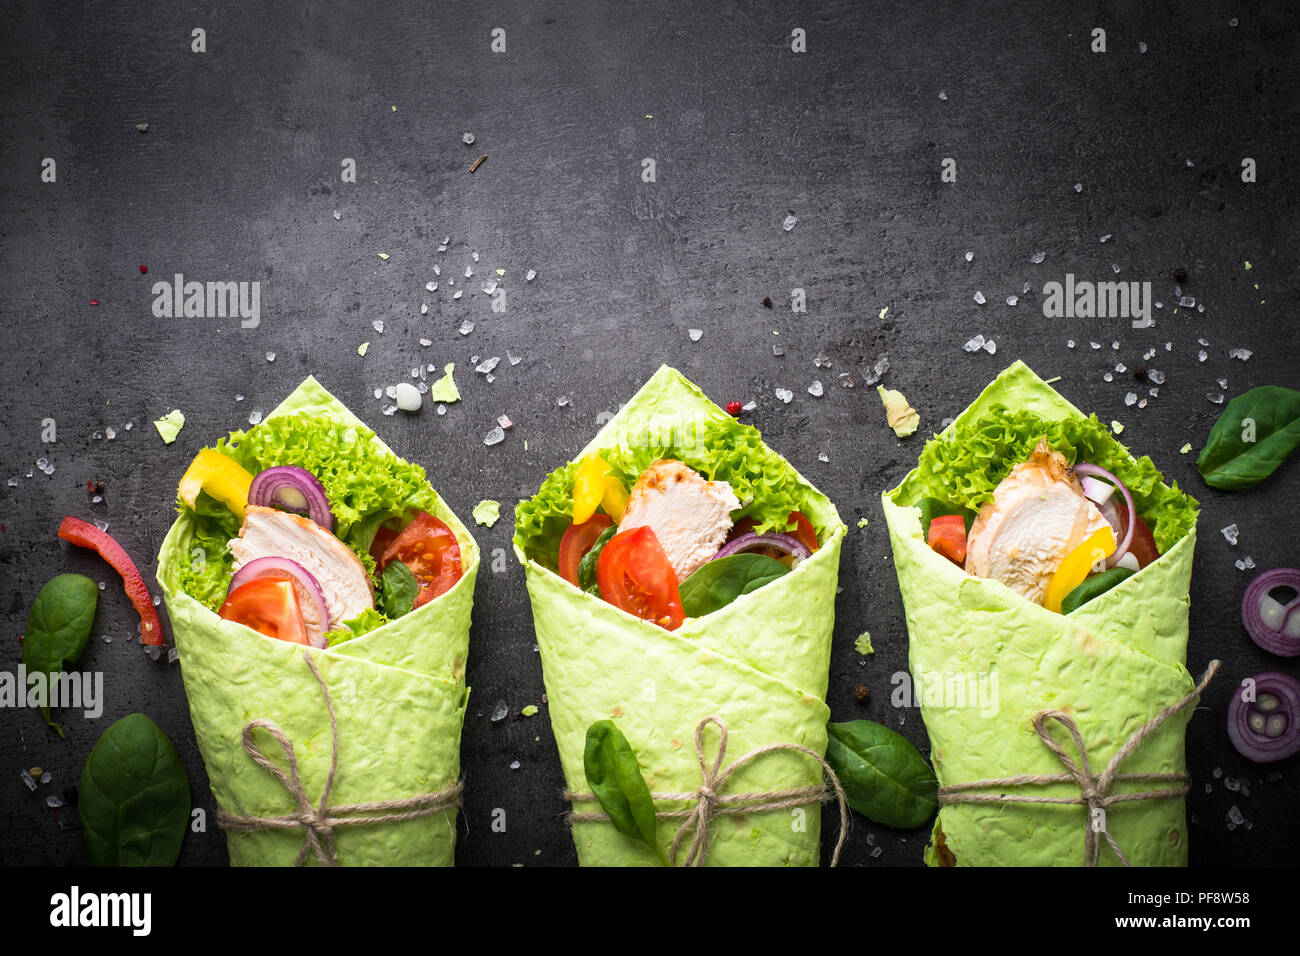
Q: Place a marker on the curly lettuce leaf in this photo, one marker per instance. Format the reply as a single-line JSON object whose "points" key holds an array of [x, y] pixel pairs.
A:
{"points": [[365, 487], [964, 467], [766, 484], [365, 622]]}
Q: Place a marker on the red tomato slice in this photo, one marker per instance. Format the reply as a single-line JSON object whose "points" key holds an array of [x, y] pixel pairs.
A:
{"points": [[269, 606], [383, 538], [803, 531], [634, 575], [1143, 545], [430, 549], [948, 537], [577, 541]]}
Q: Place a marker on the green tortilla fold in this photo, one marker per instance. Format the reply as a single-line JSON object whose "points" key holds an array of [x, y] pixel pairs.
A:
{"points": [[760, 664], [398, 693], [985, 661]]}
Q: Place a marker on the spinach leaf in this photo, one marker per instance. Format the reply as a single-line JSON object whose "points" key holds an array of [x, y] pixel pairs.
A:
{"points": [[720, 582], [885, 778], [1094, 586], [587, 566], [399, 590], [615, 778], [135, 797], [58, 627], [1256, 432]]}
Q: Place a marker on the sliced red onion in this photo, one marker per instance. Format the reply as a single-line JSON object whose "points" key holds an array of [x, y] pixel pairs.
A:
{"points": [[786, 543], [1094, 471], [292, 489], [1272, 625], [1266, 728], [310, 596]]}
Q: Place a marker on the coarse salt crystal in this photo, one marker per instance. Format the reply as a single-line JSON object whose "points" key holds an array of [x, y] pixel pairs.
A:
{"points": [[979, 297], [974, 344], [815, 389], [695, 334], [990, 346], [1037, 257], [495, 437], [789, 222], [466, 327], [530, 275], [1230, 533], [377, 325], [255, 416], [785, 395], [487, 365]]}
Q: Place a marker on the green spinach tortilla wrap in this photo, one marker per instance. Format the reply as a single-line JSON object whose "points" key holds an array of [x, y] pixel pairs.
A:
{"points": [[680, 570], [323, 604], [1044, 569]]}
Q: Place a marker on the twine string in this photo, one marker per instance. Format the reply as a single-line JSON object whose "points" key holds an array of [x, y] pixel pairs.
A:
{"points": [[319, 821], [1094, 791], [709, 801]]}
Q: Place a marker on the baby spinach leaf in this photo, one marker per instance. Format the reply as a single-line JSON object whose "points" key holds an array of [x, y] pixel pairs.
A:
{"points": [[587, 566], [1094, 586], [720, 582], [58, 627], [1256, 432], [399, 590], [615, 778], [885, 778], [135, 797]]}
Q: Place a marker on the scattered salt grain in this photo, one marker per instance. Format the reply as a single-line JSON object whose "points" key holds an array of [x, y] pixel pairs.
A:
{"points": [[101, 524], [1202, 355], [1108, 377], [489, 286], [1012, 299], [495, 437], [1234, 815], [823, 457], [13, 482], [1142, 47], [466, 327], [562, 401], [1037, 257], [27, 779], [1078, 187], [337, 214], [442, 409], [878, 369], [377, 325], [1186, 301], [426, 342], [1202, 341], [1115, 345], [1223, 382], [513, 359], [270, 356], [1156, 376], [53, 802], [1105, 238], [979, 297], [695, 334], [1244, 564], [990, 346], [255, 416], [1094, 345], [974, 344], [499, 712], [1130, 398], [46, 777], [789, 222], [407, 397], [778, 351], [474, 256], [846, 380], [1024, 289], [1243, 354], [110, 433], [750, 405], [468, 272], [530, 275], [468, 139], [970, 257], [1215, 397], [1230, 534], [943, 95], [1142, 403], [815, 389], [1070, 344], [1114, 267], [388, 409], [457, 294], [785, 395]]}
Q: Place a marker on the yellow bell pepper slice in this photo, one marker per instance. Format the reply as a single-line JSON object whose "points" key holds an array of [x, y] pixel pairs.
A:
{"points": [[1077, 564], [221, 477], [614, 499], [589, 487]]}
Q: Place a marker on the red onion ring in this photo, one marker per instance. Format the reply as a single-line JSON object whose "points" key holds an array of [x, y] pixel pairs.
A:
{"points": [[1273, 639], [1267, 728], [752, 542], [1083, 468], [305, 586], [292, 489]]}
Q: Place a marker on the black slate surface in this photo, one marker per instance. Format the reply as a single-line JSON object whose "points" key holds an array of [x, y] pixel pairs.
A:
{"points": [[238, 179]]}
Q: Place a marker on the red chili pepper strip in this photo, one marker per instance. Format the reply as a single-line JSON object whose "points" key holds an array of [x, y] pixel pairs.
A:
{"points": [[86, 535]]}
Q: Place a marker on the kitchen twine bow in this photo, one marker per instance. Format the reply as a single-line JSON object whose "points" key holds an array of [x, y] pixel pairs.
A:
{"points": [[320, 821], [709, 801], [1094, 791]]}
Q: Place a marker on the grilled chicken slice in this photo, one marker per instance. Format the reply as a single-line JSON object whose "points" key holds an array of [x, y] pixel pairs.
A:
{"points": [[689, 516], [1038, 515], [339, 572]]}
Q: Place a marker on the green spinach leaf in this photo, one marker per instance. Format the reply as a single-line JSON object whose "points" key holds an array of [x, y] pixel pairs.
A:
{"points": [[885, 778], [58, 627], [615, 778], [587, 566], [1257, 431], [135, 797], [399, 589], [718, 583], [1094, 586]]}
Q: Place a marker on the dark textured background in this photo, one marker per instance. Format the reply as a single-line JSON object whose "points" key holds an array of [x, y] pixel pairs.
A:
{"points": [[238, 178]]}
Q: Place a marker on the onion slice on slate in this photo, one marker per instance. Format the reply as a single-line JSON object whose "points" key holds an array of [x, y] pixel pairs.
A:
{"points": [[1266, 728], [1095, 471], [1272, 625], [786, 543], [305, 586], [292, 489]]}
